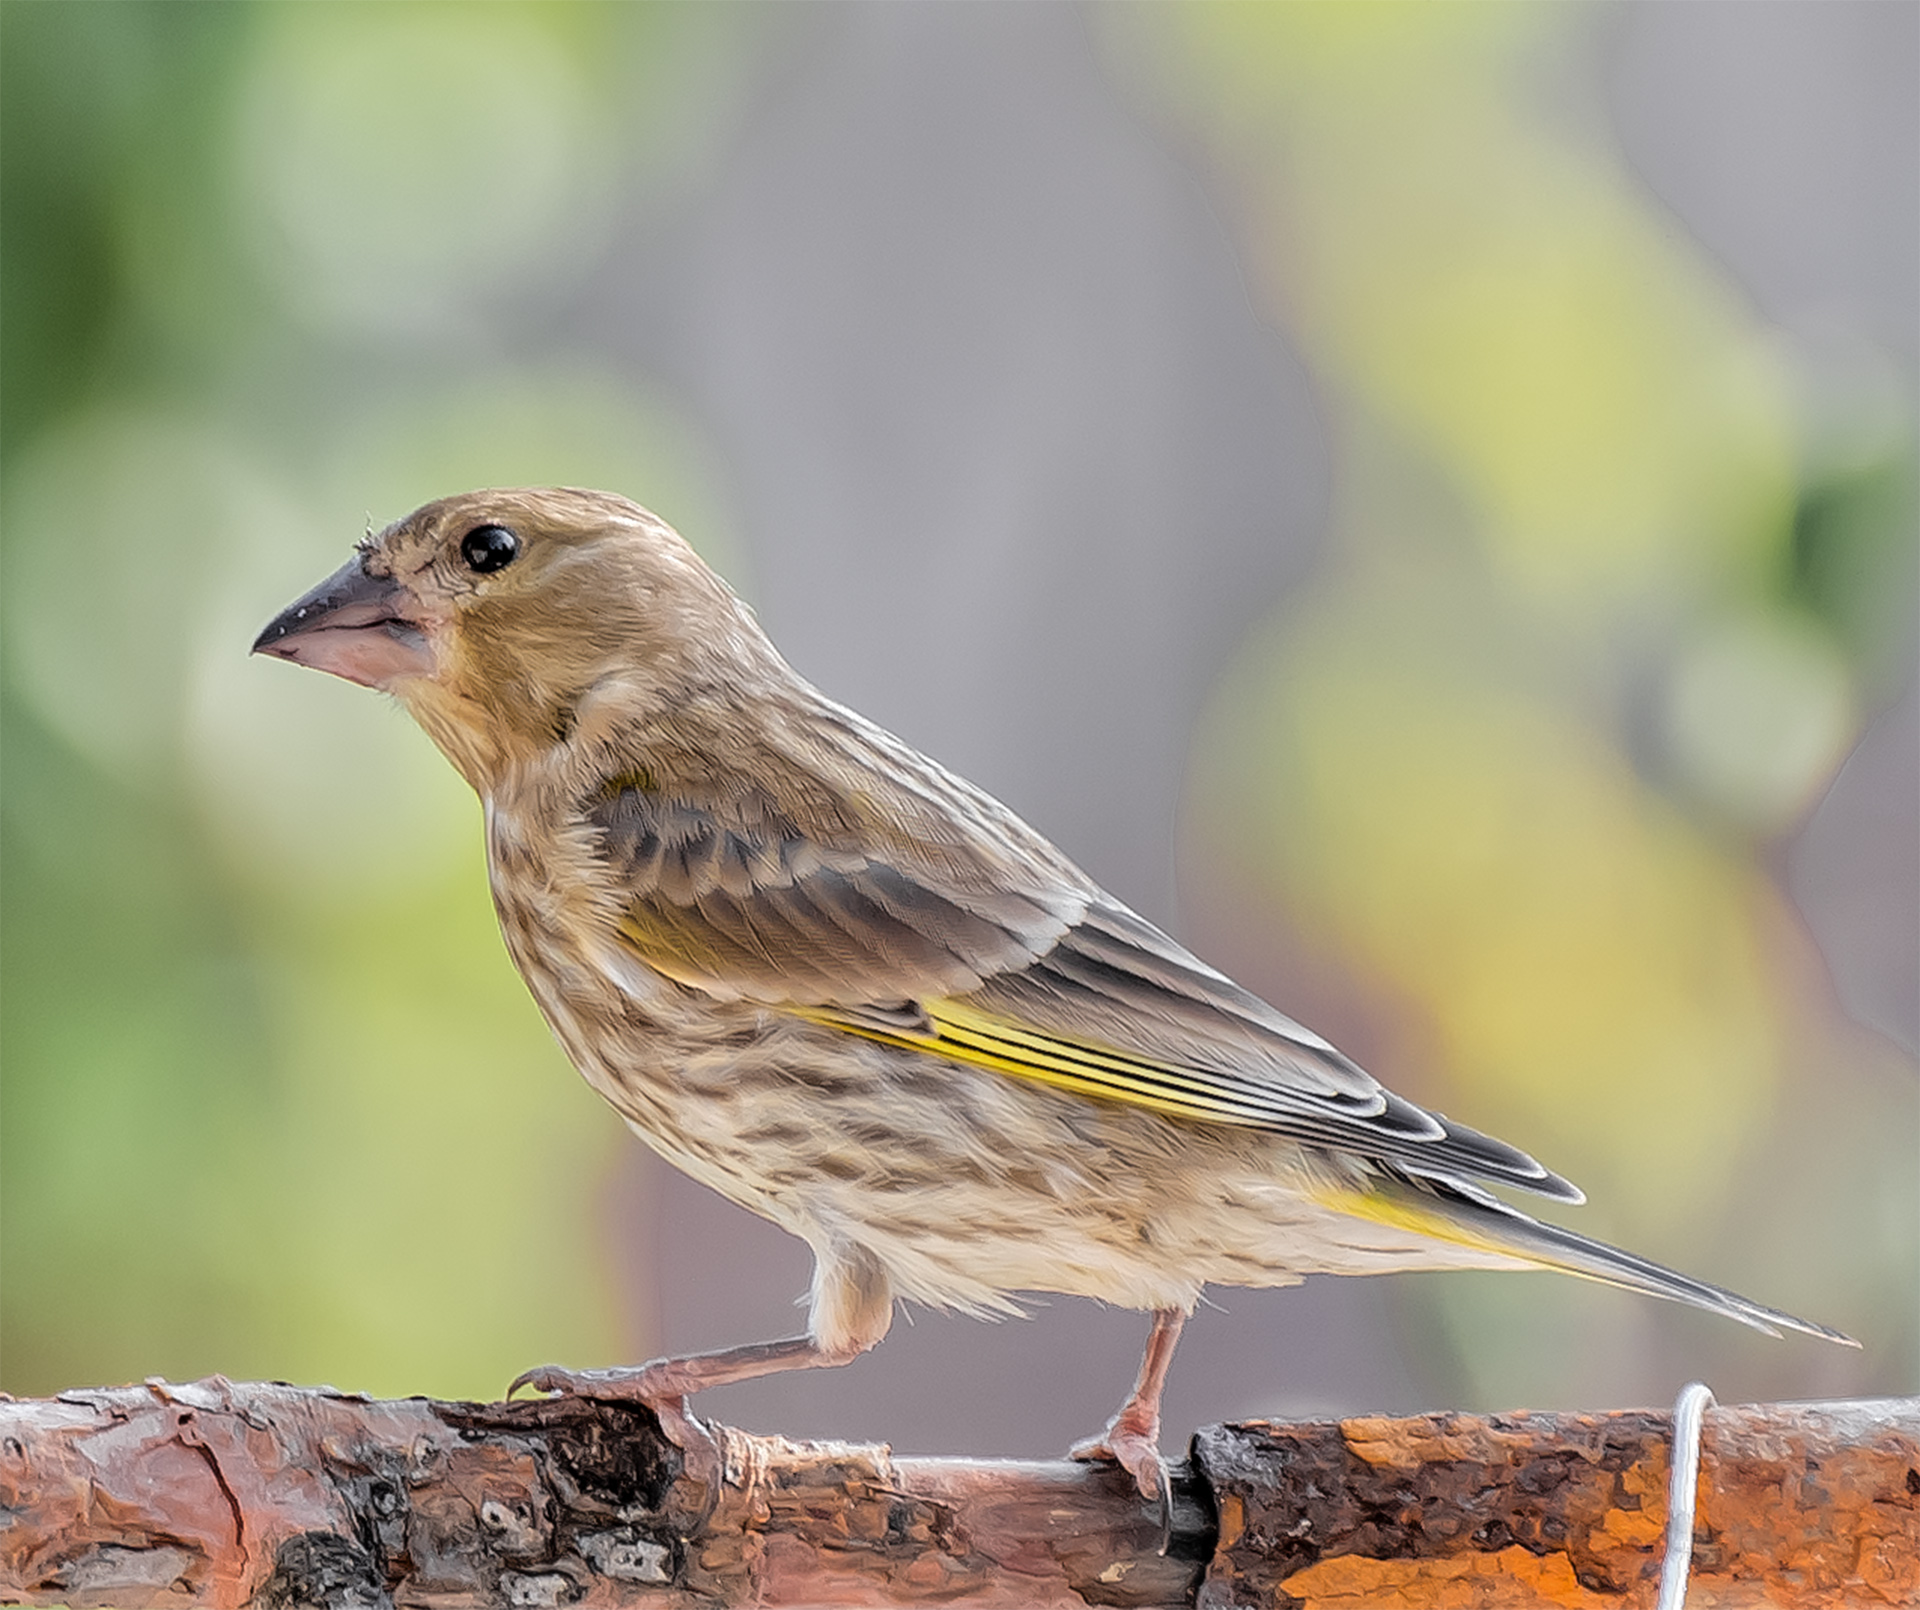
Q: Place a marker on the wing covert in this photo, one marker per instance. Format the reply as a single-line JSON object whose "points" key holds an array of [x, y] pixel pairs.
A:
{"points": [[734, 898]]}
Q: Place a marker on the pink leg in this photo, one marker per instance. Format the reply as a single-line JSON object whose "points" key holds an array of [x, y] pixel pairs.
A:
{"points": [[668, 1382], [664, 1384], [852, 1308], [1132, 1437]]}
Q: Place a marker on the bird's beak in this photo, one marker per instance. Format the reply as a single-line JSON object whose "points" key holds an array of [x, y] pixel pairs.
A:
{"points": [[355, 625]]}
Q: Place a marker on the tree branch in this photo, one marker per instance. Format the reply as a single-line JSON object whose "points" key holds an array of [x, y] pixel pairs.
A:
{"points": [[225, 1495]]}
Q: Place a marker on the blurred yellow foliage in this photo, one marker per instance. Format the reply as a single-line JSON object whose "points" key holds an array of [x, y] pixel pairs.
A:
{"points": [[1583, 955]]}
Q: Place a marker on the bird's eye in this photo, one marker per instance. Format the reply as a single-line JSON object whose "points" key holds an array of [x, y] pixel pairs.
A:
{"points": [[489, 547]]}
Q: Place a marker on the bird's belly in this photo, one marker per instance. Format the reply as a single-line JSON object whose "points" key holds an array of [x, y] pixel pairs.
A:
{"points": [[968, 1185]]}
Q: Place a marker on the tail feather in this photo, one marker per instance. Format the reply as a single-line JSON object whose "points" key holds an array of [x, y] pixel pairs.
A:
{"points": [[1477, 1218]]}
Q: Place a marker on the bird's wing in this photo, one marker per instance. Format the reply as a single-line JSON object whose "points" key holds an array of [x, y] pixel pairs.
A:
{"points": [[732, 897], [1008, 961], [1118, 1009]]}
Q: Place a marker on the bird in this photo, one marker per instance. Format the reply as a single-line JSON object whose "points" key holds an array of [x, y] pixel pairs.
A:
{"points": [[857, 995]]}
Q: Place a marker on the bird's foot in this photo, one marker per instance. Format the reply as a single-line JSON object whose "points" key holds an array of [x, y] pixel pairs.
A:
{"points": [[1135, 1450], [626, 1383], [657, 1386]]}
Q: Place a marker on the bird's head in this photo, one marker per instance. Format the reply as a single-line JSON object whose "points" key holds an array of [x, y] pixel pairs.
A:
{"points": [[495, 616]]}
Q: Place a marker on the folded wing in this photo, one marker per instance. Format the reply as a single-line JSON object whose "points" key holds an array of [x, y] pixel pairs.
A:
{"points": [[947, 925]]}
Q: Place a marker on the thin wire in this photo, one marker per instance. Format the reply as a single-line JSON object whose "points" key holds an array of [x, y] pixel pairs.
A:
{"points": [[1683, 1480]]}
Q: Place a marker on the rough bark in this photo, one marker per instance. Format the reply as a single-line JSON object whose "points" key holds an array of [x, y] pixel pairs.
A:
{"points": [[227, 1495], [1798, 1505]]}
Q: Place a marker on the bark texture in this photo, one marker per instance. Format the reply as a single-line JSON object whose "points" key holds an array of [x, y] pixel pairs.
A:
{"points": [[228, 1495], [1814, 1505]]}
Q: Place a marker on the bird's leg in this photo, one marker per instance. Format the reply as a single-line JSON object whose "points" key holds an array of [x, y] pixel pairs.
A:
{"points": [[664, 1384], [851, 1310], [1132, 1437]]}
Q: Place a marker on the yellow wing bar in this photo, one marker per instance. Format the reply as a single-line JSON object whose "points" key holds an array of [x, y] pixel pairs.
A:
{"points": [[965, 1034]]}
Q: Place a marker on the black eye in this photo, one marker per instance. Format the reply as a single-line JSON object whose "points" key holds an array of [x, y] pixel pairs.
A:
{"points": [[489, 547]]}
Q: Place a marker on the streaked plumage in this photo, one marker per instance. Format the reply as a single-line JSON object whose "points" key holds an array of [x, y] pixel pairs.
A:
{"points": [[855, 994]]}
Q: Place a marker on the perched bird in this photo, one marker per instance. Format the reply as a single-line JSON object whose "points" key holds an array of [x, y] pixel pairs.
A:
{"points": [[852, 992]]}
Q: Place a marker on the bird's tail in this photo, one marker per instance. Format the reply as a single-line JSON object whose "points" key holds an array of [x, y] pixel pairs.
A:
{"points": [[1451, 1210]]}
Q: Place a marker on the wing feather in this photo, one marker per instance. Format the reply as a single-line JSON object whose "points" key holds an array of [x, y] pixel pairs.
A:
{"points": [[738, 901], [964, 934]]}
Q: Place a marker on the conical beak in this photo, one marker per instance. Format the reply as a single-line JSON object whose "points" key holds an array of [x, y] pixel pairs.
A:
{"points": [[355, 625]]}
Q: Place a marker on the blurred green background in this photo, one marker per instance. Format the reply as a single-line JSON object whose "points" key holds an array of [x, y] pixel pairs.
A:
{"points": [[1501, 618]]}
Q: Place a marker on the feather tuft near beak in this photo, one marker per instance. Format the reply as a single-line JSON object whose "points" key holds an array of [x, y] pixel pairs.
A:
{"points": [[354, 625]]}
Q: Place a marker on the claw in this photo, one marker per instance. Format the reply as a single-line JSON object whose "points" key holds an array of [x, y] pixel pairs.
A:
{"points": [[1140, 1458], [1136, 1455], [633, 1384], [538, 1379]]}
